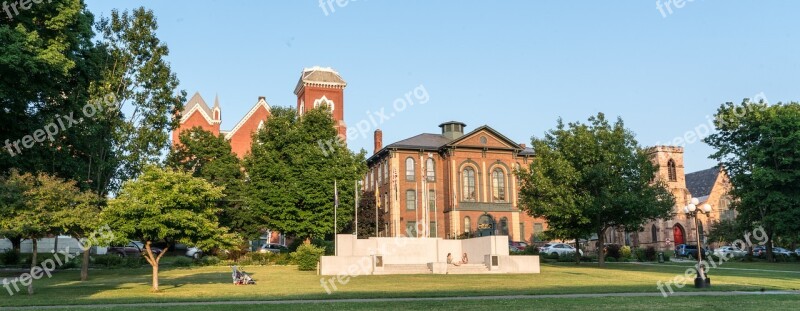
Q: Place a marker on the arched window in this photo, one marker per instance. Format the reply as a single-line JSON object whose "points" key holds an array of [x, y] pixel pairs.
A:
{"points": [[467, 224], [672, 171], [504, 226], [654, 234], [498, 185], [430, 170], [468, 192], [411, 200], [324, 101], [410, 169]]}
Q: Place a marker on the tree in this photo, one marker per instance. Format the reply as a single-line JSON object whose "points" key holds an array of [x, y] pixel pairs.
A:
{"points": [[33, 206], [292, 178], [135, 72], [47, 64], [366, 216], [759, 147], [163, 204], [587, 178], [209, 156], [726, 230], [80, 221]]}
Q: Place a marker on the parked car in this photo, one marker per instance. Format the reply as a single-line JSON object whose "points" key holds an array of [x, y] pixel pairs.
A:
{"points": [[517, 246], [729, 251], [133, 248], [194, 252], [759, 251], [780, 251], [558, 249], [689, 251], [272, 248], [797, 251]]}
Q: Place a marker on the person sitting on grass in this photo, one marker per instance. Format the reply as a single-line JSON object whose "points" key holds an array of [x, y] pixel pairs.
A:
{"points": [[450, 260]]}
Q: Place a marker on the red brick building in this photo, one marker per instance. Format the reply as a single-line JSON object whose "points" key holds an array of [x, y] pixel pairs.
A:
{"points": [[456, 183], [317, 86]]}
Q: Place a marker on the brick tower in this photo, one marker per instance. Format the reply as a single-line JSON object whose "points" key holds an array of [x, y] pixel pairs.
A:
{"points": [[322, 86]]}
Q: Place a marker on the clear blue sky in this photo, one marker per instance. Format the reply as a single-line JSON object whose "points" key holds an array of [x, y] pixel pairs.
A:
{"points": [[514, 65]]}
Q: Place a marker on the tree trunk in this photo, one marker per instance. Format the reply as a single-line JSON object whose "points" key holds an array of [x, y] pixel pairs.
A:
{"points": [[155, 278], [33, 263], [577, 251], [85, 265], [770, 255], [16, 243], [601, 249]]}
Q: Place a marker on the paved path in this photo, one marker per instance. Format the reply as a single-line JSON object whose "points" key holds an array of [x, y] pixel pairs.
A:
{"points": [[315, 301], [710, 268]]}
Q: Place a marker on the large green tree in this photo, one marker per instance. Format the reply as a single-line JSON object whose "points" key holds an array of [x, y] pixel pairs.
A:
{"points": [[209, 156], [368, 214], [291, 178], [35, 206], [166, 204], [759, 147], [587, 178]]}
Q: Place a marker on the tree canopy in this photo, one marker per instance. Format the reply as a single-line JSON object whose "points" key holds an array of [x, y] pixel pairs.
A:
{"points": [[291, 179], [161, 204], [759, 146], [587, 178]]}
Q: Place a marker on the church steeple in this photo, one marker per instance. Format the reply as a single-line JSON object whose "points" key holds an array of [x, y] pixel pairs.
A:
{"points": [[217, 110]]}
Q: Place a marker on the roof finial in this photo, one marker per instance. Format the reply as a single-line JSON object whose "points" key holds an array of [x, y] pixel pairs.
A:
{"points": [[216, 100]]}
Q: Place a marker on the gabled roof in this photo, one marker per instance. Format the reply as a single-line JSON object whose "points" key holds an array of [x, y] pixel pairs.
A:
{"points": [[490, 130], [196, 103], [701, 183], [262, 102], [319, 76]]}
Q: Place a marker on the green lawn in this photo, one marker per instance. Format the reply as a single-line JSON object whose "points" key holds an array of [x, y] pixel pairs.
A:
{"points": [[781, 302], [285, 282]]}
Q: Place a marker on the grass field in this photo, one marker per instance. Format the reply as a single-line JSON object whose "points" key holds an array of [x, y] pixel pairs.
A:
{"points": [[285, 282]]}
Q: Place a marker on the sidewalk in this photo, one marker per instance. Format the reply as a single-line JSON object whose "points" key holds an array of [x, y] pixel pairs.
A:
{"points": [[314, 301]]}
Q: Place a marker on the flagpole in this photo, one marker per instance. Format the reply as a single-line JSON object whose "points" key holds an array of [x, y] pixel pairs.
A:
{"points": [[335, 207], [377, 205], [355, 204]]}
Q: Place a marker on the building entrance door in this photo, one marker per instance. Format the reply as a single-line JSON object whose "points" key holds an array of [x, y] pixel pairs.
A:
{"points": [[677, 234], [485, 225]]}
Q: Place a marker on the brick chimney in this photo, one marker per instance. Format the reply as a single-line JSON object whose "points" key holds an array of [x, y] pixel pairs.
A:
{"points": [[378, 140], [523, 146]]}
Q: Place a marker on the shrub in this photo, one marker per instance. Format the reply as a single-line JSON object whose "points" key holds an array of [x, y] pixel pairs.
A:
{"points": [[282, 259], [611, 259], [666, 256], [639, 254], [566, 258], [625, 252], [531, 250], [307, 256], [182, 262], [613, 251], [10, 257], [209, 261]]}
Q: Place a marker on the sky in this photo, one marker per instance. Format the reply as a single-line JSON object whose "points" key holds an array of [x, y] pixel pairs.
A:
{"points": [[517, 66]]}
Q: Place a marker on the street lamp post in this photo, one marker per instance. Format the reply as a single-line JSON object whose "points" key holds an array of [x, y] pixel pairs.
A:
{"points": [[691, 210]]}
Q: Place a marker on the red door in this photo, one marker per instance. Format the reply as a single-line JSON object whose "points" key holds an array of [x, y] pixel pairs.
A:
{"points": [[677, 234]]}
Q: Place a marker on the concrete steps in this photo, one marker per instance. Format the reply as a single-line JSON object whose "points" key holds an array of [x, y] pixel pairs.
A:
{"points": [[467, 269], [405, 269]]}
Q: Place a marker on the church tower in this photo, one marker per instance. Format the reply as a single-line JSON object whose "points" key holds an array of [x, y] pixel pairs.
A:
{"points": [[320, 86]]}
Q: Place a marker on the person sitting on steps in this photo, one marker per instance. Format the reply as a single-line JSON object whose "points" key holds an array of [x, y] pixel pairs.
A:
{"points": [[450, 260], [464, 259]]}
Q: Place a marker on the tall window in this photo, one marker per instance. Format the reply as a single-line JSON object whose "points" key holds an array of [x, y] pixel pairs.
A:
{"points": [[498, 185], [410, 169], [411, 229], [380, 173], [385, 201], [468, 191], [385, 172], [522, 232], [411, 200], [430, 170], [503, 226], [432, 200], [672, 171], [538, 229], [467, 224], [654, 234]]}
